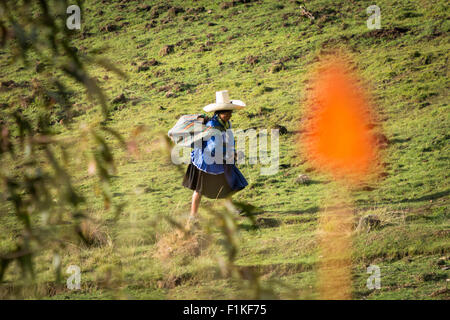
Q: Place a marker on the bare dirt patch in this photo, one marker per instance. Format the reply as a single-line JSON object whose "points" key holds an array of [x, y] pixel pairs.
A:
{"points": [[177, 244]]}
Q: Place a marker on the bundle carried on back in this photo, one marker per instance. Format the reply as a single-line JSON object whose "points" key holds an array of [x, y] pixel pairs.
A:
{"points": [[189, 129]]}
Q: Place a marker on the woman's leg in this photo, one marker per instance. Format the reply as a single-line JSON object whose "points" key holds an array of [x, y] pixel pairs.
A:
{"points": [[196, 197]]}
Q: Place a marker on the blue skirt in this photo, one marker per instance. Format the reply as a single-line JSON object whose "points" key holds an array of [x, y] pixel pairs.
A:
{"points": [[234, 177]]}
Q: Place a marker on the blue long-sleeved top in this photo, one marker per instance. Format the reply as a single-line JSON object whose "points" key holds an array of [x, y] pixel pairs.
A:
{"points": [[203, 157]]}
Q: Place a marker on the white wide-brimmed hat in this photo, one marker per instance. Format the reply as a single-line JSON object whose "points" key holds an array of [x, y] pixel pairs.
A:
{"points": [[223, 102]]}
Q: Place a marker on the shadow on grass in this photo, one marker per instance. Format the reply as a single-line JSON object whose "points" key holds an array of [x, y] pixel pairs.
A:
{"points": [[432, 196], [397, 140], [270, 222], [261, 223], [309, 210], [428, 197]]}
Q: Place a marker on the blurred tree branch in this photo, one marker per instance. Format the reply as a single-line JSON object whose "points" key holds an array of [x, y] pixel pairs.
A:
{"points": [[39, 189]]}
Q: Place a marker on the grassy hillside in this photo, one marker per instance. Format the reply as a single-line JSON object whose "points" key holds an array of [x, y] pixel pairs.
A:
{"points": [[261, 51]]}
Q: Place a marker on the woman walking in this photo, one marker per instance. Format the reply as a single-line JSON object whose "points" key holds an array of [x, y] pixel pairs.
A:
{"points": [[215, 179]]}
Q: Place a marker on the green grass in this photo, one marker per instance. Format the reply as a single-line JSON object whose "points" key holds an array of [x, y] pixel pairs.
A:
{"points": [[407, 75]]}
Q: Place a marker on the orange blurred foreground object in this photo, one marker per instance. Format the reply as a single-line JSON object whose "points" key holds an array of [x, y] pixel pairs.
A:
{"points": [[337, 136], [337, 140]]}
